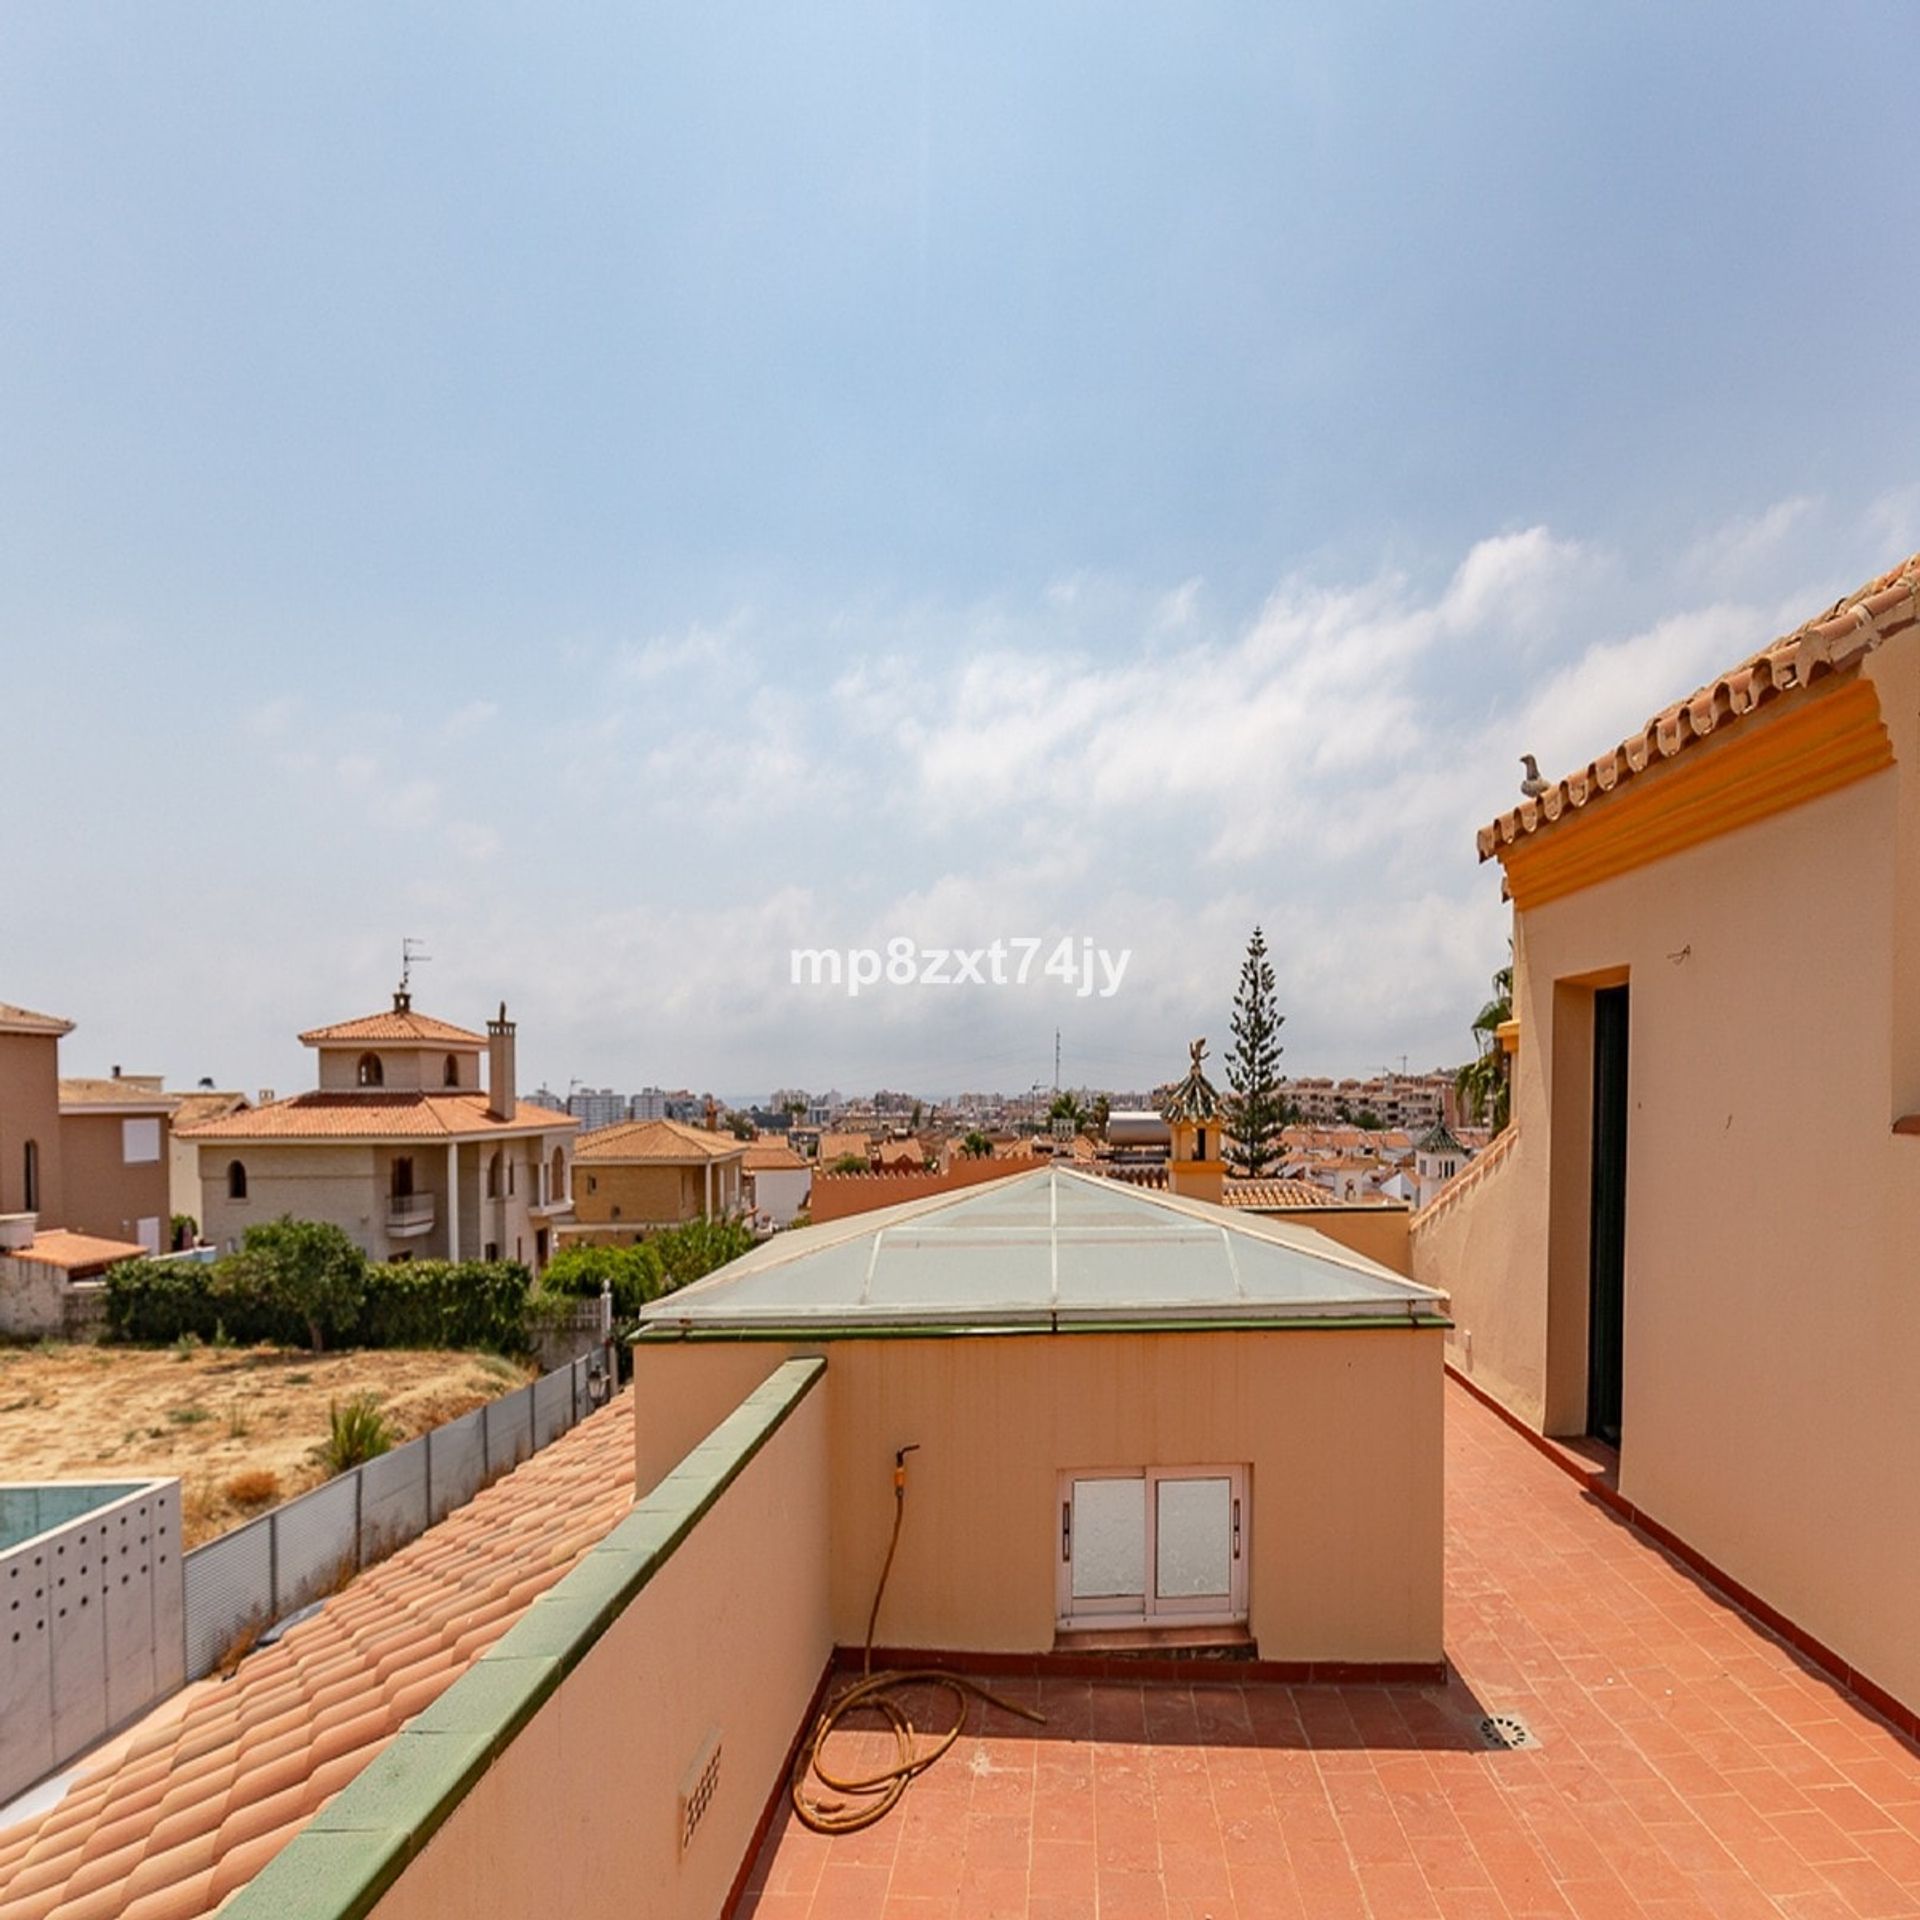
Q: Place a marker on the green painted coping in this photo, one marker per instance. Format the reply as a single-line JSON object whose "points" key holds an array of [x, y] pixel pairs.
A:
{"points": [[349, 1854], [659, 1335]]}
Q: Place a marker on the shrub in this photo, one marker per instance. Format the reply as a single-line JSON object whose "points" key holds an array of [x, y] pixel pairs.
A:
{"points": [[445, 1303], [254, 1487], [310, 1271], [160, 1303], [635, 1274], [250, 1298], [356, 1431], [691, 1252]]}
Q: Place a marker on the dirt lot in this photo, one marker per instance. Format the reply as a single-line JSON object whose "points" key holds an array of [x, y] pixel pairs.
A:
{"points": [[212, 1415]]}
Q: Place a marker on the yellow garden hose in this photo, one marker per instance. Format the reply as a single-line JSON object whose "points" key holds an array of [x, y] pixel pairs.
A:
{"points": [[873, 1796]]}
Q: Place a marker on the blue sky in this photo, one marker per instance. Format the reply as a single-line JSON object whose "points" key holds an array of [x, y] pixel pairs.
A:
{"points": [[622, 492]]}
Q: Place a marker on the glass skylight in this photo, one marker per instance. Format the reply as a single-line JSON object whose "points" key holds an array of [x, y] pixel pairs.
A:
{"points": [[1051, 1247]]}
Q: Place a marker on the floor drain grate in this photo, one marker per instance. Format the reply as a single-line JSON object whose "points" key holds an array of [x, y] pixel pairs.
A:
{"points": [[1507, 1730]]}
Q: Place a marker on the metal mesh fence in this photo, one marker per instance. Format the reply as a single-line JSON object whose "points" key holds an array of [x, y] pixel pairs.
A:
{"points": [[458, 1460], [509, 1430], [240, 1584], [393, 1499], [316, 1542], [229, 1585]]}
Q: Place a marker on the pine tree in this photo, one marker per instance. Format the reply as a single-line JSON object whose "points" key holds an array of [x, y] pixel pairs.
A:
{"points": [[1254, 1109]]}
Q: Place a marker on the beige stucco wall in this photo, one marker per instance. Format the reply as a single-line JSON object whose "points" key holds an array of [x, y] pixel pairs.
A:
{"points": [[103, 1194], [579, 1814], [1342, 1430], [1773, 1217], [1377, 1233], [30, 1110], [402, 1069]]}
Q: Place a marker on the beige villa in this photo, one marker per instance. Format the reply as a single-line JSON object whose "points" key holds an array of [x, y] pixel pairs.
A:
{"points": [[1698, 1243], [401, 1145], [636, 1178]]}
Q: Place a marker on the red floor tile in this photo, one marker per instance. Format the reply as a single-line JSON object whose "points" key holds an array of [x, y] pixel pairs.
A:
{"points": [[1690, 1766]]}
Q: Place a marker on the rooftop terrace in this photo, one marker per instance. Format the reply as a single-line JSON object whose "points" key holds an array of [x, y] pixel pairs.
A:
{"points": [[1687, 1764], [1683, 1761]]}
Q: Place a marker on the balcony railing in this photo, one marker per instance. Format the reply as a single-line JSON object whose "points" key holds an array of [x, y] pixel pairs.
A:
{"points": [[410, 1213]]}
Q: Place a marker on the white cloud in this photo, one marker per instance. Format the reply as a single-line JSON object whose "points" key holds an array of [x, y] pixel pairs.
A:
{"points": [[469, 718]]}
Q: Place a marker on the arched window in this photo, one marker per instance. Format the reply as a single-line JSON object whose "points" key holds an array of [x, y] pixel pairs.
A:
{"points": [[30, 1195], [370, 1072], [493, 1175], [236, 1180], [450, 1073]]}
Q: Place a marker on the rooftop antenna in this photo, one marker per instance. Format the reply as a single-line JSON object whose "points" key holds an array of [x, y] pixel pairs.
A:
{"points": [[1056, 1059], [412, 950]]}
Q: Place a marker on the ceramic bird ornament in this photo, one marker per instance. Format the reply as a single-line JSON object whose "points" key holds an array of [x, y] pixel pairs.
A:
{"points": [[1532, 786]]}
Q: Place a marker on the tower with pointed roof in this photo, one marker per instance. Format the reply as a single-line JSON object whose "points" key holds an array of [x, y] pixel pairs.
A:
{"points": [[1192, 1113]]}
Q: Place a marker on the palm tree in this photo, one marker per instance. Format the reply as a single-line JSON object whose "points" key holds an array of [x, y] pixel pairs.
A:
{"points": [[1486, 1094]]}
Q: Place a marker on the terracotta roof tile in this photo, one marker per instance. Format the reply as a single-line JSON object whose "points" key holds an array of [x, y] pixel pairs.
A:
{"points": [[75, 1252], [1264, 1194], [772, 1156], [194, 1800], [1836, 640], [374, 1116], [657, 1140], [394, 1026]]}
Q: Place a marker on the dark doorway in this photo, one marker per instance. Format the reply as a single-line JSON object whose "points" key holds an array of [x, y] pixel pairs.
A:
{"points": [[1607, 1239]]}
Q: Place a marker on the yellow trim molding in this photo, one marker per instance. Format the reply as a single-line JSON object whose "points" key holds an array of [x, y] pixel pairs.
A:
{"points": [[1782, 757]]}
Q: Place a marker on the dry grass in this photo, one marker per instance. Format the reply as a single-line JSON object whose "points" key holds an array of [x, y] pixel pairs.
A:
{"points": [[253, 1487], [214, 1415]]}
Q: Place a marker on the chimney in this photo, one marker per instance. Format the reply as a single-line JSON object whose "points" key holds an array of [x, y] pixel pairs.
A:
{"points": [[500, 1094], [116, 1073]]}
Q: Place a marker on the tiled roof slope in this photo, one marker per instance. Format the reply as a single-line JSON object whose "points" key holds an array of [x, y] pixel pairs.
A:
{"points": [[77, 1252], [657, 1140], [196, 1800], [374, 1116], [1839, 638], [25, 1020], [1261, 1194], [394, 1025]]}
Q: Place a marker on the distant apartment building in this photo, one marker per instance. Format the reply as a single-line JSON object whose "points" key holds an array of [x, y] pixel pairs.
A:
{"points": [[400, 1145], [1415, 1101], [650, 1103], [596, 1107]]}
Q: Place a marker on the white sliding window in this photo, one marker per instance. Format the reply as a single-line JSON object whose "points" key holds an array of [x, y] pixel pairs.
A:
{"points": [[1153, 1546]]}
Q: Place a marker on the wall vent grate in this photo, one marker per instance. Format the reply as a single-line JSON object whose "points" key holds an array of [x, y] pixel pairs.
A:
{"points": [[698, 1785]]}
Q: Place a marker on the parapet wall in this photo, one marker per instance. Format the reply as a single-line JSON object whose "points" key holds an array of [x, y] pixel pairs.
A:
{"points": [[836, 1196]]}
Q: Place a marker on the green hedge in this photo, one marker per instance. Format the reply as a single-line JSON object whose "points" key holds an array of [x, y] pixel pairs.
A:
{"points": [[157, 1302], [423, 1303], [446, 1303]]}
